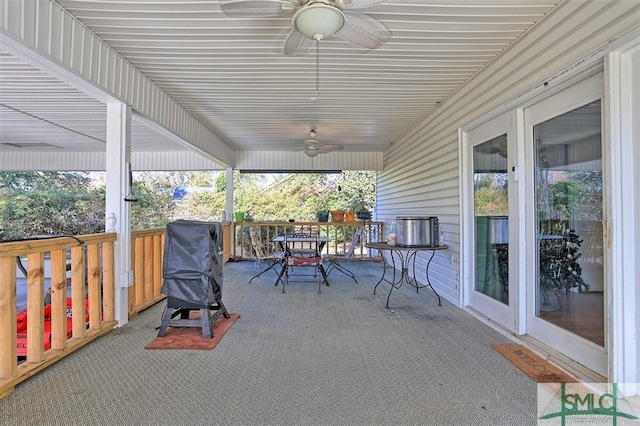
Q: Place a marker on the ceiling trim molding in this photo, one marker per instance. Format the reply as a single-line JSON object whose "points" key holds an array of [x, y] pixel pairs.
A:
{"points": [[96, 161], [298, 160]]}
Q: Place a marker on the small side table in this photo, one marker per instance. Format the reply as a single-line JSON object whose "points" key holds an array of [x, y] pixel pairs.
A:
{"points": [[407, 259]]}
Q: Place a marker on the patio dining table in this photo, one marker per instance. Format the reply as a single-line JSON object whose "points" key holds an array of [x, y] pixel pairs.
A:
{"points": [[289, 251]]}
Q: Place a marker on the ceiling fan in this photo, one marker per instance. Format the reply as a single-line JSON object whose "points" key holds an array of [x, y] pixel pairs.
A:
{"points": [[312, 147], [315, 20]]}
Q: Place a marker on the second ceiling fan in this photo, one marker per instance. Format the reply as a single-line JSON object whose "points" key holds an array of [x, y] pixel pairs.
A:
{"points": [[312, 147], [315, 20]]}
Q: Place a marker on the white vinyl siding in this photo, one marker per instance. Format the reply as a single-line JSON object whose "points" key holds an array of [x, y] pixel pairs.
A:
{"points": [[420, 174]]}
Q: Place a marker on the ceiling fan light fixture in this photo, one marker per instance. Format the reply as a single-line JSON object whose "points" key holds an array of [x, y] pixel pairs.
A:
{"points": [[311, 152], [318, 21]]}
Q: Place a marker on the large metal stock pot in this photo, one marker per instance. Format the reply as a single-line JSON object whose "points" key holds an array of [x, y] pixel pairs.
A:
{"points": [[415, 231]]}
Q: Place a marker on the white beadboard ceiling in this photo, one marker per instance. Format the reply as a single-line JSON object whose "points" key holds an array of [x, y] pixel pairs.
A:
{"points": [[232, 74]]}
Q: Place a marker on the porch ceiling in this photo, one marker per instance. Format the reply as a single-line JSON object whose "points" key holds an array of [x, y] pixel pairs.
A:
{"points": [[232, 74]]}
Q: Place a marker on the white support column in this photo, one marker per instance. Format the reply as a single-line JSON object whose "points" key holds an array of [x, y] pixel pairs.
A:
{"points": [[229, 206], [118, 153], [229, 191]]}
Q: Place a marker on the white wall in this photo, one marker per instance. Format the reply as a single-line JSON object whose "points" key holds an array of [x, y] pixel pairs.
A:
{"points": [[420, 174]]}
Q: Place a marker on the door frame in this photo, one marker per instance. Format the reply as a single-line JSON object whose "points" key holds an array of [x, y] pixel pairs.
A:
{"points": [[622, 67]]}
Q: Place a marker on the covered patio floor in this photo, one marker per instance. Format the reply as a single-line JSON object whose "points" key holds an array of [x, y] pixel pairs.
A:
{"points": [[338, 357]]}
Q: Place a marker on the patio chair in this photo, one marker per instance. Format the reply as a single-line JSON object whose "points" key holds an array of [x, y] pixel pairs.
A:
{"points": [[308, 257], [264, 252], [334, 259]]}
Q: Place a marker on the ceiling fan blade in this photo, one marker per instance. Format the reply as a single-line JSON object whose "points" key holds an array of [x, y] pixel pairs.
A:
{"points": [[330, 147], [358, 4], [257, 8], [365, 31], [297, 44]]}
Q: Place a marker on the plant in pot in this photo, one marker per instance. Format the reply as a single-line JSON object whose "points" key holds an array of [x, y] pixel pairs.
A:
{"points": [[559, 269], [321, 209], [338, 209], [360, 204], [337, 215], [322, 215]]}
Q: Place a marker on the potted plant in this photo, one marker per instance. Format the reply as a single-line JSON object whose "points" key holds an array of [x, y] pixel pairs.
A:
{"points": [[321, 209], [559, 268], [360, 204], [322, 215], [337, 215]]}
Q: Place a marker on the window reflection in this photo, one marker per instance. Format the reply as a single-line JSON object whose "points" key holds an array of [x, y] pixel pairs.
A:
{"points": [[491, 208], [568, 196]]}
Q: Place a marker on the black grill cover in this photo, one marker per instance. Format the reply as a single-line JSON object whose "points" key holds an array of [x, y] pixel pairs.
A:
{"points": [[193, 262]]}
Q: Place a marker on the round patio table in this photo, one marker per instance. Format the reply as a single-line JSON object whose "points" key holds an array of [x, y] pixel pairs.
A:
{"points": [[407, 261]]}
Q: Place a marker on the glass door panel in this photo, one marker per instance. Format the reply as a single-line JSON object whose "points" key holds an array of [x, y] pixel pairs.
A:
{"points": [[491, 209], [569, 205], [490, 187], [565, 184]]}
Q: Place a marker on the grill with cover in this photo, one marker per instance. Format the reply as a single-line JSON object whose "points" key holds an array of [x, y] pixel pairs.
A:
{"points": [[192, 273]]}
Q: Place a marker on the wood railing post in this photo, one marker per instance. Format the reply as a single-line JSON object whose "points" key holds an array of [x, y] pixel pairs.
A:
{"points": [[157, 265], [58, 302], [78, 305], [8, 360], [148, 269], [95, 291], [138, 272], [108, 282], [35, 298]]}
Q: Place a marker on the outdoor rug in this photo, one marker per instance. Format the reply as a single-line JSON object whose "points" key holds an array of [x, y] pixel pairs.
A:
{"points": [[533, 365], [191, 337]]}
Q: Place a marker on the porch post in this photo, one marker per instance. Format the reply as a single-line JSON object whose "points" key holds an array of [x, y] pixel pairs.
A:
{"points": [[229, 205], [229, 192], [118, 160]]}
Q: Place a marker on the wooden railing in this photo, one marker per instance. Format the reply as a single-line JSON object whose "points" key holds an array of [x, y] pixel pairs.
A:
{"points": [[83, 284], [90, 300], [147, 250], [340, 233]]}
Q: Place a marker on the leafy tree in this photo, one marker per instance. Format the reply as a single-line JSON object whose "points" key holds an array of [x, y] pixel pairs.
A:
{"points": [[34, 203], [49, 203], [491, 194]]}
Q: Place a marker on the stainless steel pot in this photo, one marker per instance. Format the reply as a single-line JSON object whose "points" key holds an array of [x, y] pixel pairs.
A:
{"points": [[498, 229], [416, 231]]}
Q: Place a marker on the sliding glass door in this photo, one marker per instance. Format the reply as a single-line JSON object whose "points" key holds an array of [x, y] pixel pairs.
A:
{"points": [[567, 253]]}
